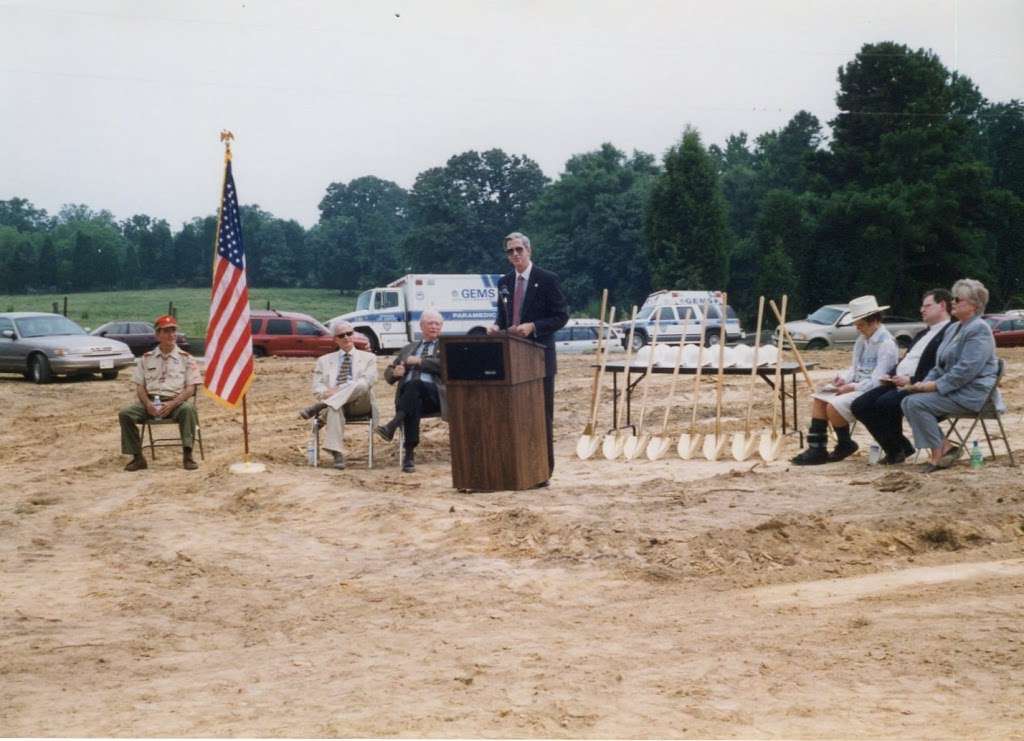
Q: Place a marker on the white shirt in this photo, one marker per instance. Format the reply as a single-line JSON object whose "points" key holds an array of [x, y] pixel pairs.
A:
{"points": [[908, 366]]}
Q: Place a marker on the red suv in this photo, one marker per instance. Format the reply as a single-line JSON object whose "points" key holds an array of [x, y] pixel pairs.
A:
{"points": [[293, 334]]}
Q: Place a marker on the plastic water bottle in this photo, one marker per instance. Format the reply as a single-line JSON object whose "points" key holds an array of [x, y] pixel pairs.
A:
{"points": [[311, 451], [977, 459], [157, 404]]}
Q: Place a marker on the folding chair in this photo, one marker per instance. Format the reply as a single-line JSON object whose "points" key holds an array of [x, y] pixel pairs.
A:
{"points": [[175, 441], [400, 432], [370, 420], [988, 411]]}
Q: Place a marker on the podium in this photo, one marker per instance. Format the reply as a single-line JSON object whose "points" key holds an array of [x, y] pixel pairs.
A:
{"points": [[495, 411]]}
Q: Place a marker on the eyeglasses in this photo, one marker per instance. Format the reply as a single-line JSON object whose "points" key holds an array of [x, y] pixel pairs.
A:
{"points": [[515, 250], [344, 334]]}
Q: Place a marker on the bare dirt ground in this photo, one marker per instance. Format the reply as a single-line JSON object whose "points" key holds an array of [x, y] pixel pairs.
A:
{"points": [[669, 599]]}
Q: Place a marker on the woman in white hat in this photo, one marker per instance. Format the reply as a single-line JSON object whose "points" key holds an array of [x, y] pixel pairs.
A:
{"points": [[875, 356]]}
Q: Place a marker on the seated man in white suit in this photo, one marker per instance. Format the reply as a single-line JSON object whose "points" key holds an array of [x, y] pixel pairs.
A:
{"points": [[342, 382]]}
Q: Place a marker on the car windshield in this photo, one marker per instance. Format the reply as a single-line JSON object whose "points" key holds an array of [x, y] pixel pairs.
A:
{"points": [[45, 326], [825, 315], [645, 313], [993, 321], [363, 302]]}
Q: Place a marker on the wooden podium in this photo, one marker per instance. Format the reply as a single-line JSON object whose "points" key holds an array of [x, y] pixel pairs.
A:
{"points": [[495, 411]]}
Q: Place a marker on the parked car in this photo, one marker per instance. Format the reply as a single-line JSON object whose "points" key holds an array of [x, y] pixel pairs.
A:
{"points": [[825, 328], [671, 320], [580, 336], [139, 336], [1008, 329], [289, 333], [41, 346]]}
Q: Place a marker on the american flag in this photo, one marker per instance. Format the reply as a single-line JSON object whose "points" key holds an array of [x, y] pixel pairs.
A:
{"points": [[228, 337]]}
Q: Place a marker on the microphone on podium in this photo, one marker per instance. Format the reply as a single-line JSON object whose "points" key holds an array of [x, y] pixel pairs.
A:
{"points": [[503, 291]]}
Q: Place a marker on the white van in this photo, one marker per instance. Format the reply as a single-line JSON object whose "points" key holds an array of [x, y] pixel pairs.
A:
{"points": [[390, 316]]}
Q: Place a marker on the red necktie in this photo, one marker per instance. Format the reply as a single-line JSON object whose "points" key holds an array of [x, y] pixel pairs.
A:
{"points": [[517, 300]]}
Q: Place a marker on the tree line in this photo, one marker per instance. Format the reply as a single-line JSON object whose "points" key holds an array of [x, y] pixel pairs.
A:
{"points": [[918, 181]]}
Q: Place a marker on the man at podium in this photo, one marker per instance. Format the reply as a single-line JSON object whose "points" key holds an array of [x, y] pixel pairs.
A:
{"points": [[531, 305]]}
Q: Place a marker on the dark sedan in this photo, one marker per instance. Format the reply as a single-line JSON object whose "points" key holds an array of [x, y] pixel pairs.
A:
{"points": [[139, 336]]}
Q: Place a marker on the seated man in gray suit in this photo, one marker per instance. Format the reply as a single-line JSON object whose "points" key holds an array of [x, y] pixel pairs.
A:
{"points": [[416, 375], [966, 369]]}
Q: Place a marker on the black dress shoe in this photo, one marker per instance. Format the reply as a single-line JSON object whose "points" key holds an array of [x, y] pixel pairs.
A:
{"points": [[542, 485], [408, 462], [908, 448], [387, 432], [187, 462], [843, 450], [894, 458], [811, 457], [136, 464], [312, 410]]}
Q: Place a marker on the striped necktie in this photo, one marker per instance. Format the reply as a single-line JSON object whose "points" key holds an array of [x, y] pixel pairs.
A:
{"points": [[345, 369]]}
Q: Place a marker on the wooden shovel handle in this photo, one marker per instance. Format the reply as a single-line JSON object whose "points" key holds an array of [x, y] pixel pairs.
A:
{"points": [[700, 367], [799, 358], [720, 380], [600, 377], [597, 371], [675, 374], [753, 364], [629, 359], [778, 361]]}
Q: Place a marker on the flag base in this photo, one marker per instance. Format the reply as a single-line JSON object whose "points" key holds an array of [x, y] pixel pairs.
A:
{"points": [[247, 467]]}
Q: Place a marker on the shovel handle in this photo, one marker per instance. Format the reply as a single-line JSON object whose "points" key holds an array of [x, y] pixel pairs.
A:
{"points": [[799, 358]]}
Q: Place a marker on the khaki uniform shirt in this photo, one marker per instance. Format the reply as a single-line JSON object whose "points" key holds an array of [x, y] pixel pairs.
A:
{"points": [[168, 374]]}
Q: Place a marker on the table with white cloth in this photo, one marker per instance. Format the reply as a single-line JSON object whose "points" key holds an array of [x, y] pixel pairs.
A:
{"points": [[766, 373]]}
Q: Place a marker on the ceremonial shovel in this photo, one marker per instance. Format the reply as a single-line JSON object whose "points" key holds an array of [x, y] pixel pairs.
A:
{"points": [[689, 442], [589, 441], [714, 445], [635, 444], [743, 443], [659, 444], [770, 441], [613, 441], [799, 357]]}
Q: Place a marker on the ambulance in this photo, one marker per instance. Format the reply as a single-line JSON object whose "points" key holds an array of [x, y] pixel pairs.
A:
{"points": [[390, 316], [673, 311]]}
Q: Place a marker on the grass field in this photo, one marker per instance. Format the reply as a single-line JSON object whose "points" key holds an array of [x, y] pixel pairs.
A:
{"points": [[192, 304]]}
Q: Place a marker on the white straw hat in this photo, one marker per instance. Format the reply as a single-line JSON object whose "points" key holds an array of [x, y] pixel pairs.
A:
{"points": [[861, 307]]}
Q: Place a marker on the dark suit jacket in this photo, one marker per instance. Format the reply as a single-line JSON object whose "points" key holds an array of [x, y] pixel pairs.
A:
{"points": [[431, 364], [927, 359], [544, 305]]}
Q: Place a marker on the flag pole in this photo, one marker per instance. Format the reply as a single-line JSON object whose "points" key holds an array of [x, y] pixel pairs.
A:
{"points": [[247, 465]]}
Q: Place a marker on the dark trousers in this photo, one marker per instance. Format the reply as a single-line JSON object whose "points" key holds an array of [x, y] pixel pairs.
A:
{"points": [[135, 414], [549, 419], [879, 410], [415, 399]]}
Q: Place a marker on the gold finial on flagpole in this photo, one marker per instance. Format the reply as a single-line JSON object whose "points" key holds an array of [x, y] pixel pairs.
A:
{"points": [[226, 137]]}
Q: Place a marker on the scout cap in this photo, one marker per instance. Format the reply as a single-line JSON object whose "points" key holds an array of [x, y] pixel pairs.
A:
{"points": [[165, 321]]}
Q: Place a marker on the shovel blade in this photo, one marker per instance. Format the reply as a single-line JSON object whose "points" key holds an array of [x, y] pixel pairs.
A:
{"points": [[769, 447], [688, 445], [612, 446], [740, 447], [713, 445], [656, 448], [587, 446], [634, 447]]}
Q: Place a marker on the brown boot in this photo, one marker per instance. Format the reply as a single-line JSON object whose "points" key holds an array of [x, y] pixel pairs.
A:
{"points": [[186, 460], [312, 410], [136, 464]]}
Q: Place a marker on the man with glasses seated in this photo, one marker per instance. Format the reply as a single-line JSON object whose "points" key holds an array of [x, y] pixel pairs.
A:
{"points": [[342, 382], [416, 376], [531, 305]]}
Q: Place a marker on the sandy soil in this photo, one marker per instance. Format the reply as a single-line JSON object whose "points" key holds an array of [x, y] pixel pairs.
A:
{"points": [[673, 598]]}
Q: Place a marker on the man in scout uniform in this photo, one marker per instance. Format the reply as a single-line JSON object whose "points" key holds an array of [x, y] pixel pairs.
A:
{"points": [[165, 383]]}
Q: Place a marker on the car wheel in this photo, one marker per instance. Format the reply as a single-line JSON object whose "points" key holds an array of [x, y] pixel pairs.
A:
{"points": [[639, 340], [39, 369], [817, 344], [259, 352], [109, 375], [710, 339], [374, 343]]}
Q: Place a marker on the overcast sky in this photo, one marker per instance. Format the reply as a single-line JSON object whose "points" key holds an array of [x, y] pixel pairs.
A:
{"points": [[118, 105]]}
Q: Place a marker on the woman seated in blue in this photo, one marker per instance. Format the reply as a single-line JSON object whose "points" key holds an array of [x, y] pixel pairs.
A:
{"points": [[966, 369]]}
